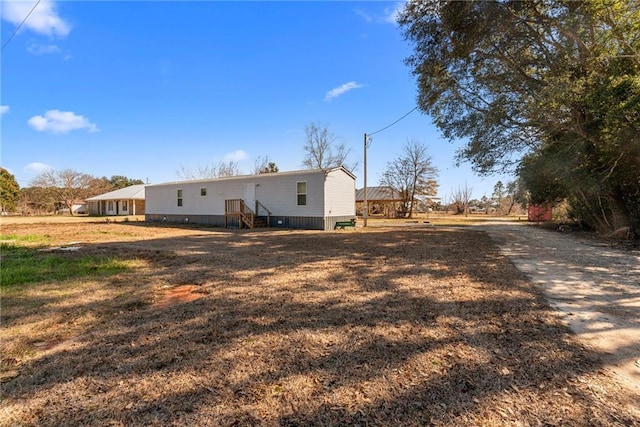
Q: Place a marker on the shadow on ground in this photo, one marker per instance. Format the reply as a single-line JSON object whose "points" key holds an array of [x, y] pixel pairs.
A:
{"points": [[388, 327]]}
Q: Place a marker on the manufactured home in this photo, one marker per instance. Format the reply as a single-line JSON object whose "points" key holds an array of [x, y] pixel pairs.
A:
{"points": [[315, 199], [125, 201]]}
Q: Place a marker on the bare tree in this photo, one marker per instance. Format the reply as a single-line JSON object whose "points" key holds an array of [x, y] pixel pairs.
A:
{"points": [[460, 199], [213, 171], [67, 186], [263, 164], [341, 158], [410, 175], [322, 151]]}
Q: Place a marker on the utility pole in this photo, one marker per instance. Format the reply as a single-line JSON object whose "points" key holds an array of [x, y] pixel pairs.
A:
{"points": [[365, 213], [365, 209]]}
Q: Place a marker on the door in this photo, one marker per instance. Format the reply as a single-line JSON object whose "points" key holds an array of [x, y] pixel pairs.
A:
{"points": [[250, 196]]}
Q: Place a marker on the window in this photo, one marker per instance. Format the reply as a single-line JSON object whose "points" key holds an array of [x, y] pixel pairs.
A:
{"points": [[203, 192], [110, 206], [302, 193], [124, 206], [179, 197]]}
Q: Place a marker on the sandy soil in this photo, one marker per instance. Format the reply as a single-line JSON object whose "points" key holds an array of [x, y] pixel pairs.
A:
{"points": [[385, 326]]}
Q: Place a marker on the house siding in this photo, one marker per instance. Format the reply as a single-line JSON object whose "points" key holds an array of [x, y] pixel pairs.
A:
{"points": [[212, 220], [94, 208], [338, 202], [139, 206], [276, 192]]}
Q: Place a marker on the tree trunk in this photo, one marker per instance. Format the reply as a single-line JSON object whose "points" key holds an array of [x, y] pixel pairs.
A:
{"points": [[70, 206]]}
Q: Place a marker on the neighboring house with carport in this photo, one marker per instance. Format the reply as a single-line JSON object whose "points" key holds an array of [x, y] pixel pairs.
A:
{"points": [[381, 200], [79, 208], [315, 199], [125, 201]]}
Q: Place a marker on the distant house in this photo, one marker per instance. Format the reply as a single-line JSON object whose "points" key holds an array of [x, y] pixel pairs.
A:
{"points": [[309, 199], [381, 200], [61, 208], [79, 209], [125, 201]]}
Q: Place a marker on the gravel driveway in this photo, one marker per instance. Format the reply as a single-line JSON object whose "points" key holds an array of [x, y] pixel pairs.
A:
{"points": [[595, 288]]}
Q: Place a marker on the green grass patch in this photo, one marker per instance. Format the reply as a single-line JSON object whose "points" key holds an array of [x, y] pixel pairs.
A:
{"points": [[22, 265], [32, 239]]}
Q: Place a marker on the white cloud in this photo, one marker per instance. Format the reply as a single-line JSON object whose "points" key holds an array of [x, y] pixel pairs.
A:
{"points": [[4, 109], [392, 14], [57, 121], [364, 15], [43, 49], [389, 15], [336, 92], [235, 156], [43, 20], [37, 167]]}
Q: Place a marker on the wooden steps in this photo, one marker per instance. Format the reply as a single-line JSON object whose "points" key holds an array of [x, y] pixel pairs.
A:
{"points": [[244, 215]]}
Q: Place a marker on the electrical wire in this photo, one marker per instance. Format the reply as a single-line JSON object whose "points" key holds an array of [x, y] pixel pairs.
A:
{"points": [[388, 126], [19, 26]]}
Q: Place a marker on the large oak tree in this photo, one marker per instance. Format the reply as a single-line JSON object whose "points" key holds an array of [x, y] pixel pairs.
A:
{"points": [[557, 82]]}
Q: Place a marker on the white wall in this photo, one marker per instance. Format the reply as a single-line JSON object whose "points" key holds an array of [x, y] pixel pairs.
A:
{"points": [[277, 192], [163, 198], [340, 194]]}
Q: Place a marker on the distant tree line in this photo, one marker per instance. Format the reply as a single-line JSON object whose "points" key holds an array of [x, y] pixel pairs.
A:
{"points": [[54, 191], [505, 200]]}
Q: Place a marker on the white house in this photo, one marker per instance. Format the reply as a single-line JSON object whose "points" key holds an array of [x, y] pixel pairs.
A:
{"points": [[125, 201], [310, 199]]}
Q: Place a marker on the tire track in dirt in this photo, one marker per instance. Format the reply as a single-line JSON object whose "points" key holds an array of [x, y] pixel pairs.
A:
{"points": [[595, 287]]}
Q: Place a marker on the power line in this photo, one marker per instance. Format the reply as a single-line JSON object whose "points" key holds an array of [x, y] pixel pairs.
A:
{"points": [[388, 126], [19, 26], [367, 140]]}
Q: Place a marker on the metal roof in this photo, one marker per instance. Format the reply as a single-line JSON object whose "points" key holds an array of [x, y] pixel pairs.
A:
{"points": [[378, 193], [132, 192], [262, 175]]}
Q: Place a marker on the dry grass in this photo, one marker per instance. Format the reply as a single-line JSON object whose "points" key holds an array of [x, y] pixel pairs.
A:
{"points": [[388, 326], [441, 219]]}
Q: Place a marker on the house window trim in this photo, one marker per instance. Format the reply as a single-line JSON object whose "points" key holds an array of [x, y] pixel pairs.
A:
{"points": [[125, 206], [298, 194], [179, 197]]}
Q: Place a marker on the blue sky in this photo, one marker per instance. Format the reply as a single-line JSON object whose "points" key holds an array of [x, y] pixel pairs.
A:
{"points": [[144, 89]]}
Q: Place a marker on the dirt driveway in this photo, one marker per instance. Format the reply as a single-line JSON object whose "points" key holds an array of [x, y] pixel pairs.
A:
{"points": [[595, 287]]}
